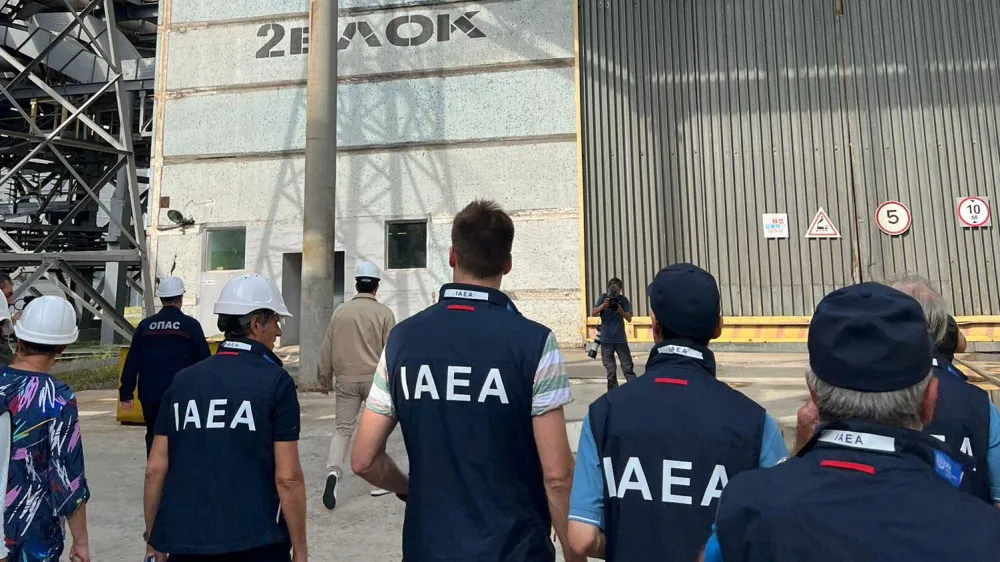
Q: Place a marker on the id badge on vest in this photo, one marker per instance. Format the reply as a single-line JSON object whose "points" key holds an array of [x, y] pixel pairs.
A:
{"points": [[858, 440], [944, 466]]}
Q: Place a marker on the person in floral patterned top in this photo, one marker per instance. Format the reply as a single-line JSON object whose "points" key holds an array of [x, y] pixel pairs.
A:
{"points": [[46, 480]]}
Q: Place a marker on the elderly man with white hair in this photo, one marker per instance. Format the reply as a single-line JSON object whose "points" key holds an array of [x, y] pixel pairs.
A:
{"points": [[965, 417], [869, 485]]}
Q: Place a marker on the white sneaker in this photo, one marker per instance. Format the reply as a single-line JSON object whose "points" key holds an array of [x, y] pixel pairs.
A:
{"points": [[378, 492]]}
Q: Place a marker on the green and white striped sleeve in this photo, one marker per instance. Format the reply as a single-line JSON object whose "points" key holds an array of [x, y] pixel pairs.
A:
{"points": [[379, 398], [551, 389]]}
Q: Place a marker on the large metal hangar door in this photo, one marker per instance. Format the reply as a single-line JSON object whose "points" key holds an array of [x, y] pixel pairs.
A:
{"points": [[700, 116]]}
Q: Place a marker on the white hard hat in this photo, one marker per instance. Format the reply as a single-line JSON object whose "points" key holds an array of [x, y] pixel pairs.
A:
{"points": [[48, 320], [366, 270], [248, 293], [170, 287]]}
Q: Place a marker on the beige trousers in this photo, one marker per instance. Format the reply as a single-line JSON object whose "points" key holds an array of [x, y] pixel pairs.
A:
{"points": [[350, 400]]}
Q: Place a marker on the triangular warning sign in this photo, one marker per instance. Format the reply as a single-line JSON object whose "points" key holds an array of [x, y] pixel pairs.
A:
{"points": [[822, 226]]}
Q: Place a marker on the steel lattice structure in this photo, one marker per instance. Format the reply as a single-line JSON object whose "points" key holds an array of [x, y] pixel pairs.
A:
{"points": [[74, 131]]}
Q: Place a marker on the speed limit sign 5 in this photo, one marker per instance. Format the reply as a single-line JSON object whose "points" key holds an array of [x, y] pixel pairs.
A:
{"points": [[893, 218], [974, 212]]}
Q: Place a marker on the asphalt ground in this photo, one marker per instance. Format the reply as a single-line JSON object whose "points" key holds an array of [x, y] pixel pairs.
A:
{"points": [[362, 528]]}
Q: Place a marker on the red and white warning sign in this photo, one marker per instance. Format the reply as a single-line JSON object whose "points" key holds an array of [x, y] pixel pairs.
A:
{"points": [[822, 226], [893, 218], [974, 212]]}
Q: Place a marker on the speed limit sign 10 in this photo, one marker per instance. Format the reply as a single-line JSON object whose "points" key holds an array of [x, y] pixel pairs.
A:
{"points": [[973, 212], [893, 218]]}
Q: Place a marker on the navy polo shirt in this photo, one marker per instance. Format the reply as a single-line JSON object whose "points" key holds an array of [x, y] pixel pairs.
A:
{"points": [[612, 323], [162, 345], [221, 418]]}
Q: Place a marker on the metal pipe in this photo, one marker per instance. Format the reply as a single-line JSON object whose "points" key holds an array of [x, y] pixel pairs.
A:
{"points": [[35, 276], [99, 300], [93, 40], [67, 221], [49, 139], [52, 45], [104, 316], [319, 201], [125, 104], [78, 113], [63, 102]]}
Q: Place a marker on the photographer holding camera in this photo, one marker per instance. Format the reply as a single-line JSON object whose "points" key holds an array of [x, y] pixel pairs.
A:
{"points": [[614, 309]]}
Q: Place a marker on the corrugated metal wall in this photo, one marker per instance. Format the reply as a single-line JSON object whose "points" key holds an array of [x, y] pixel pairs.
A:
{"points": [[924, 92], [701, 115]]}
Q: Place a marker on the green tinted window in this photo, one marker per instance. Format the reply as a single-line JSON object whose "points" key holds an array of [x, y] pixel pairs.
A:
{"points": [[227, 249]]}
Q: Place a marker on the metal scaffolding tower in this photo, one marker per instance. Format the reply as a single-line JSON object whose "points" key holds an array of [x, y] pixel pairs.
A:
{"points": [[75, 130]]}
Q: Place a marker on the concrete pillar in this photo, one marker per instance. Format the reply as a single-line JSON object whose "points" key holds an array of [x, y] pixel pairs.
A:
{"points": [[319, 205]]}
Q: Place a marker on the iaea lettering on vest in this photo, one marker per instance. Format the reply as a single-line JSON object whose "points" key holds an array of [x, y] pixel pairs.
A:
{"points": [[966, 444], [858, 440], [425, 386], [634, 479], [215, 416], [165, 325]]}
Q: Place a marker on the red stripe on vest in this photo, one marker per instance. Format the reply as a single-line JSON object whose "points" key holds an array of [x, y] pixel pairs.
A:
{"points": [[227, 353], [466, 308], [678, 382], [867, 469]]}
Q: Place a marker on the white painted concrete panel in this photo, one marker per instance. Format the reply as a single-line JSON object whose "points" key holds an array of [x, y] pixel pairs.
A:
{"points": [[266, 244], [516, 104], [228, 55], [381, 184], [245, 190], [546, 253], [245, 122], [563, 316], [182, 11], [405, 291], [179, 253], [518, 177], [267, 52], [349, 4], [475, 35]]}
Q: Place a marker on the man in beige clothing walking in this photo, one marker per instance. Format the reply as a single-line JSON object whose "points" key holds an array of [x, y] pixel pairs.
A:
{"points": [[351, 349]]}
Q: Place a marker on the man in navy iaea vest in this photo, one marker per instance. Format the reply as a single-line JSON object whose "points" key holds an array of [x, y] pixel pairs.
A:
{"points": [[655, 454], [162, 345], [478, 391], [869, 485], [964, 416]]}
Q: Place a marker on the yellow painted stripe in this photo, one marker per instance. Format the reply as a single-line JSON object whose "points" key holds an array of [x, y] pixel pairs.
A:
{"points": [[789, 329]]}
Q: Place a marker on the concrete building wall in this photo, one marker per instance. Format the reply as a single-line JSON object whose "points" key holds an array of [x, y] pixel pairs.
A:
{"points": [[422, 129]]}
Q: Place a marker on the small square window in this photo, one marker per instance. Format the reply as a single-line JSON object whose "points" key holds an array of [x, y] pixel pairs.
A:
{"points": [[226, 250], [406, 244]]}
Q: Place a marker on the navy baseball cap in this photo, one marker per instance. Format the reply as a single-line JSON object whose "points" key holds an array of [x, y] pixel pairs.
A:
{"points": [[869, 338], [685, 300]]}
